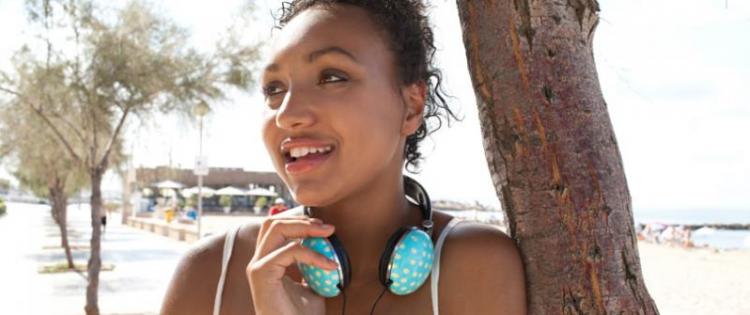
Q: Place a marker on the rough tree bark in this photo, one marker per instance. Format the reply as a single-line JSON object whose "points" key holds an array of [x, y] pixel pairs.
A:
{"points": [[553, 155]]}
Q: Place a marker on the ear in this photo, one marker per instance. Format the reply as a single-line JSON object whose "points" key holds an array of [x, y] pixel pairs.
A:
{"points": [[414, 96]]}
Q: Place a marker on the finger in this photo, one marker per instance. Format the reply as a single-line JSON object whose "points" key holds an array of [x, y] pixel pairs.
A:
{"points": [[267, 223], [295, 252], [281, 231], [272, 267]]}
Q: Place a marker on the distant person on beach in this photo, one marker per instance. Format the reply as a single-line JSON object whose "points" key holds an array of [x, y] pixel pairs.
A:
{"points": [[350, 91], [668, 235], [687, 240], [103, 218], [279, 206]]}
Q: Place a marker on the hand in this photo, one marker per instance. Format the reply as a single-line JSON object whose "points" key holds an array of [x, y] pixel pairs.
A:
{"points": [[276, 249]]}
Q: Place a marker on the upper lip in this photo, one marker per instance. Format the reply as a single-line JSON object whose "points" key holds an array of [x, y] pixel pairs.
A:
{"points": [[305, 142]]}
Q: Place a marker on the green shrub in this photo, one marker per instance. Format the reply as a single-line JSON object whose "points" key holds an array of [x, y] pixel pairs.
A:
{"points": [[261, 202], [2, 206], [225, 201]]}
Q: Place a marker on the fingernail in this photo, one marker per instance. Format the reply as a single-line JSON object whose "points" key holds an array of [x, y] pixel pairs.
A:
{"points": [[326, 226]]}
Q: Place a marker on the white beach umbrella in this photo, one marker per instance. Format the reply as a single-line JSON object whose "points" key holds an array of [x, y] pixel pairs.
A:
{"points": [[168, 184], [261, 192], [205, 191], [230, 191]]}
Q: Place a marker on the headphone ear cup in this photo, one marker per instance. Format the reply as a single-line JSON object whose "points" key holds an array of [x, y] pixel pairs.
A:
{"points": [[387, 255], [407, 261], [326, 283]]}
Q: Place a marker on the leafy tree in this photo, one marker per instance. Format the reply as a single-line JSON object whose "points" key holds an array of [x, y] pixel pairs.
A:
{"points": [[106, 71], [553, 154], [41, 165]]}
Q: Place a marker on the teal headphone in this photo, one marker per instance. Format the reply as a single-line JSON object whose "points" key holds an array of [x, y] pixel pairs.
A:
{"points": [[405, 263]]}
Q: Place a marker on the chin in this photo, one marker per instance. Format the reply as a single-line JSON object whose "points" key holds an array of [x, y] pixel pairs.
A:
{"points": [[315, 196], [309, 197]]}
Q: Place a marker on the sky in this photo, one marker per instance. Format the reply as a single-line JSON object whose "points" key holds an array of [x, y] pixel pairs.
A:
{"points": [[674, 74]]}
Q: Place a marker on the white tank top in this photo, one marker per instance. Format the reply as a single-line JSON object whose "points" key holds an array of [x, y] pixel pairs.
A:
{"points": [[435, 275]]}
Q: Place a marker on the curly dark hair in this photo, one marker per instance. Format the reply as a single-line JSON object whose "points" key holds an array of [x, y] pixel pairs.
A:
{"points": [[411, 41]]}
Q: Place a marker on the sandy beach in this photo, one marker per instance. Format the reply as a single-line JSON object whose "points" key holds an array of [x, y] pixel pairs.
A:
{"points": [[696, 281]]}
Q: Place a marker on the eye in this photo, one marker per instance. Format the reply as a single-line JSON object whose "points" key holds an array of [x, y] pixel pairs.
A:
{"points": [[332, 76], [272, 89]]}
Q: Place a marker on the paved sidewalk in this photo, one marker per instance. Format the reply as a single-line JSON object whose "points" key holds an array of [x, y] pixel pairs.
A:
{"points": [[143, 264]]}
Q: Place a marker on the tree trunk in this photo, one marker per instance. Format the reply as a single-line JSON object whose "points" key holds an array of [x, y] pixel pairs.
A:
{"points": [[60, 214], [553, 155], [53, 210], [127, 207], [64, 231], [95, 260]]}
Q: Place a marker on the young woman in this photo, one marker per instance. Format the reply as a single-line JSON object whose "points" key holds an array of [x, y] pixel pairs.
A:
{"points": [[349, 89]]}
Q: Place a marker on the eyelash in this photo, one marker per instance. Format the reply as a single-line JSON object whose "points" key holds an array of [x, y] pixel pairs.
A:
{"points": [[268, 89], [330, 73]]}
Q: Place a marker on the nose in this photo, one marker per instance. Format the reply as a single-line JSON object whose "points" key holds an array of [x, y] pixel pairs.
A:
{"points": [[295, 111]]}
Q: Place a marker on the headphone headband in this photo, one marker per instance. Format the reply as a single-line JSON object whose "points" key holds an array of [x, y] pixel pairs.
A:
{"points": [[413, 189]]}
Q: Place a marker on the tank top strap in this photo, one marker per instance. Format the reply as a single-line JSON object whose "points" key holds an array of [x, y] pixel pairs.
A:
{"points": [[436, 268], [225, 257]]}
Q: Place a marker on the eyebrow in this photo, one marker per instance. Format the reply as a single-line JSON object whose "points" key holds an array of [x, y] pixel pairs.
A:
{"points": [[317, 54]]}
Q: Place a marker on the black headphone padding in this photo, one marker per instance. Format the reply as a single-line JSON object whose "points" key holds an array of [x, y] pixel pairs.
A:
{"points": [[343, 259], [385, 257], [415, 190]]}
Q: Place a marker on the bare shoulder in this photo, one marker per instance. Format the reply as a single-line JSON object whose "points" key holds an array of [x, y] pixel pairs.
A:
{"points": [[194, 282], [481, 272]]}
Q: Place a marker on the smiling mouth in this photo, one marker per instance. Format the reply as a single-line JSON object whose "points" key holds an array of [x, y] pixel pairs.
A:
{"points": [[305, 154]]}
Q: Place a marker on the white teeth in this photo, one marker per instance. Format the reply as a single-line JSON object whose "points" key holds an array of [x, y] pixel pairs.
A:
{"points": [[303, 151]]}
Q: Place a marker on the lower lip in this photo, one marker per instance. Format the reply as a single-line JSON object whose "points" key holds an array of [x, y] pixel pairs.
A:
{"points": [[306, 164]]}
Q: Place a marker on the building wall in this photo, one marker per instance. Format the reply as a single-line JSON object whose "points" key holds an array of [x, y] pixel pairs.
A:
{"points": [[217, 178]]}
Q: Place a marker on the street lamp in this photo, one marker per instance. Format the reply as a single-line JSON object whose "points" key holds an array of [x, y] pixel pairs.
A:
{"points": [[201, 167]]}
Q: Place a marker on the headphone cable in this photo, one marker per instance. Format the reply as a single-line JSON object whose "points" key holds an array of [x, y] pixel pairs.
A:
{"points": [[343, 307], [378, 300]]}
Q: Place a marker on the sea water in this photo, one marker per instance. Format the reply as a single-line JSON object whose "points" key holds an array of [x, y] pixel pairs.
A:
{"points": [[714, 238], [692, 216], [719, 239]]}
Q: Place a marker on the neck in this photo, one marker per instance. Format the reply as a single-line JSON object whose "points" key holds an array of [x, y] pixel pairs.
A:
{"points": [[365, 220]]}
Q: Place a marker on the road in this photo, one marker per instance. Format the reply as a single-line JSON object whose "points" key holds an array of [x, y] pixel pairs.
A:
{"points": [[143, 264]]}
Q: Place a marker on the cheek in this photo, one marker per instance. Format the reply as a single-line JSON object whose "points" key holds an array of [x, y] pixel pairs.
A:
{"points": [[374, 125], [270, 134]]}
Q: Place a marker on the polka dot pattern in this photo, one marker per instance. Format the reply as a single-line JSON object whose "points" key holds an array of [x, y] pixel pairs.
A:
{"points": [[320, 280], [411, 262]]}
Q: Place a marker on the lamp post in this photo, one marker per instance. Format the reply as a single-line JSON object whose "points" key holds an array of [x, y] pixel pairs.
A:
{"points": [[201, 169]]}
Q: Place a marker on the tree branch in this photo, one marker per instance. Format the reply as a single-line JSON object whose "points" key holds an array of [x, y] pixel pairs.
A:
{"points": [[57, 132], [115, 134], [95, 132], [72, 127], [10, 91], [47, 121]]}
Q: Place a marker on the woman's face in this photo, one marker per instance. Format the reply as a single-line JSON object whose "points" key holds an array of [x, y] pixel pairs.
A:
{"points": [[336, 117]]}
